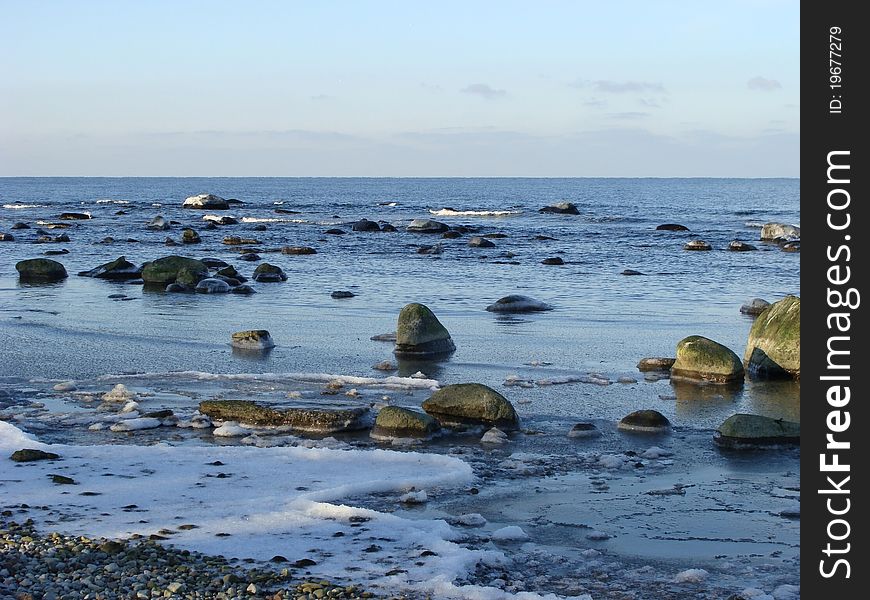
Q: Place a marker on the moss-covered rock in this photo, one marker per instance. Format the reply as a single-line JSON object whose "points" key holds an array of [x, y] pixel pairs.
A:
{"points": [[471, 403], [266, 273], [190, 236], [40, 269], [31, 454], [419, 333], [253, 339], [396, 422], [315, 420], [118, 269], [168, 269], [743, 431], [701, 359], [646, 421], [774, 346]]}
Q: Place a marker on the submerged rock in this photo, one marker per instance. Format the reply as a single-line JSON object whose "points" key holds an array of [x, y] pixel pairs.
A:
{"points": [[395, 422], [266, 273], [754, 307], [780, 231], [252, 339], [561, 208], [40, 269], [738, 246], [74, 216], [471, 403], [697, 245], [243, 289], [335, 231], [703, 360], [480, 242], [774, 346], [166, 270], [298, 250], [631, 272], [744, 431], [672, 227], [319, 420], [647, 421], [516, 303], [419, 334], [553, 261], [206, 202], [365, 225], [118, 269], [656, 363], [584, 430], [427, 226], [339, 294], [212, 285]]}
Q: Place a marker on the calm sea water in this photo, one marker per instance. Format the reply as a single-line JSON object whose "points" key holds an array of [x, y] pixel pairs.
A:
{"points": [[603, 321]]}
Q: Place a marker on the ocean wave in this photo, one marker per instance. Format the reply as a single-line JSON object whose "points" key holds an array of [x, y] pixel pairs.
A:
{"points": [[111, 201], [451, 212], [272, 220], [21, 206], [756, 224]]}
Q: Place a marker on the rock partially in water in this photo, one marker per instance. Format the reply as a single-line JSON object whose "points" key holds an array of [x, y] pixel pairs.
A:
{"points": [[206, 202], [31, 455], [395, 422], [584, 430], [480, 242], [158, 223], [317, 420], [495, 436], [74, 216], [340, 294], [335, 231], [738, 246], [119, 394], [451, 235], [672, 227], [20, 225], [166, 270], [697, 245], [7, 237], [243, 290], [516, 303], [266, 273], [252, 339], [249, 257], [388, 228], [774, 347], [298, 250], [419, 334], [703, 360], [212, 285], [754, 307], [234, 240], [224, 220], [744, 431], [118, 269], [794, 246], [631, 272], [365, 225], [645, 421], [471, 403], [427, 226], [40, 270], [561, 208], [553, 261], [780, 231]]}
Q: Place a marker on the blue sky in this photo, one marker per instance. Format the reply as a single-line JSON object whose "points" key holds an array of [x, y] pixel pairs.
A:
{"points": [[620, 88]]}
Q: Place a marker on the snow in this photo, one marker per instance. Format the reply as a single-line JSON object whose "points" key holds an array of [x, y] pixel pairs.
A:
{"points": [[136, 424], [12, 439], [510, 533], [691, 576], [416, 381], [471, 520], [119, 393], [414, 497], [231, 429], [655, 452]]}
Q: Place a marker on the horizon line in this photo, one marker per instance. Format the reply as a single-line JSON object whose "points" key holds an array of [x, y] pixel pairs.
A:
{"points": [[397, 177]]}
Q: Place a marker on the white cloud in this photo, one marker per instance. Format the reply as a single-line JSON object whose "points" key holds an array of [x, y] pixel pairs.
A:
{"points": [[762, 84]]}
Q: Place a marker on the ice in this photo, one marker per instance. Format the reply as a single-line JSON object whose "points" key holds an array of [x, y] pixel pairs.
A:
{"points": [[12, 438], [231, 429], [471, 520], [787, 592], [119, 393], [414, 497], [791, 511], [755, 594], [655, 452], [136, 424], [402, 383], [611, 461], [691, 576], [509, 534], [449, 212], [130, 407], [494, 436]]}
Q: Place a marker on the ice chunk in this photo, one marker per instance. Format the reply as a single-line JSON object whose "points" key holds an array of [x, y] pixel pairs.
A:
{"points": [[136, 424], [119, 393], [231, 429], [655, 452], [510, 533], [471, 520], [414, 497], [691, 576]]}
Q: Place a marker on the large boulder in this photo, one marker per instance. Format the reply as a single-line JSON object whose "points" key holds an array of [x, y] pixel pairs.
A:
{"points": [[365, 225], [562, 208], [780, 231], [645, 421], [516, 303], [427, 226], [419, 333], [40, 269], [703, 360], [396, 422], [166, 270], [774, 347], [316, 420], [743, 431], [118, 269], [266, 273], [471, 403], [206, 202]]}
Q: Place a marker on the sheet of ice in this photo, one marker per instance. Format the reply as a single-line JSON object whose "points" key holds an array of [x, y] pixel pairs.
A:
{"points": [[385, 382], [449, 212], [136, 424]]}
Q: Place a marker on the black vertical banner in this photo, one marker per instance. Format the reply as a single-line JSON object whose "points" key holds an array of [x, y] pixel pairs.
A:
{"points": [[835, 445]]}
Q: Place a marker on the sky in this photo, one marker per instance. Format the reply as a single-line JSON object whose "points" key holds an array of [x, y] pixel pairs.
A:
{"points": [[665, 88]]}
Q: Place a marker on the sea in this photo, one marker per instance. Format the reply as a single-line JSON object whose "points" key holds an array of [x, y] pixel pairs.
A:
{"points": [[728, 522]]}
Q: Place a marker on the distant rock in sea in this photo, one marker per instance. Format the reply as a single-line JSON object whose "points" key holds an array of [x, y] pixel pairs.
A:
{"points": [[697, 245], [561, 208], [780, 231], [426, 226], [516, 303], [206, 202], [672, 227]]}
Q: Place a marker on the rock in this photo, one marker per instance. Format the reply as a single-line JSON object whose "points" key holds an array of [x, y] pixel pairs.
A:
{"points": [[426, 226], [170, 242], [780, 231], [395, 422], [190, 278], [697, 245], [335, 231], [225, 271], [249, 257], [302, 419], [166, 270], [365, 225], [754, 307], [631, 272], [774, 347], [656, 363], [224, 220], [553, 261], [189, 236], [73, 216], [65, 386], [298, 250], [471, 403], [243, 289], [436, 249], [40, 269], [385, 365], [177, 288], [791, 247], [210, 226], [584, 430], [703, 360], [419, 334], [60, 252], [451, 235], [118, 269], [479, 242], [388, 228], [738, 246], [672, 227], [495, 236], [253, 339], [742, 431], [232, 282], [494, 435], [107, 240], [212, 285], [516, 303], [647, 421], [20, 225], [206, 202], [562, 208], [62, 480], [338, 294], [30, 455], [266, 273], [384, 337], [7, 237], [234, 240]]}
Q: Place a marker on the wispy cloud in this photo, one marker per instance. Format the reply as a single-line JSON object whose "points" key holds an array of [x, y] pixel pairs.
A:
{"points": [[629, 116], [594, 103], [762, 84], [607, 86], [484, 91]]}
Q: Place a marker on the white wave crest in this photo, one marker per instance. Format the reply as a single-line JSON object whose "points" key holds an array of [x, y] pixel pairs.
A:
{"points": [[22, 206], [449, 212]]}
